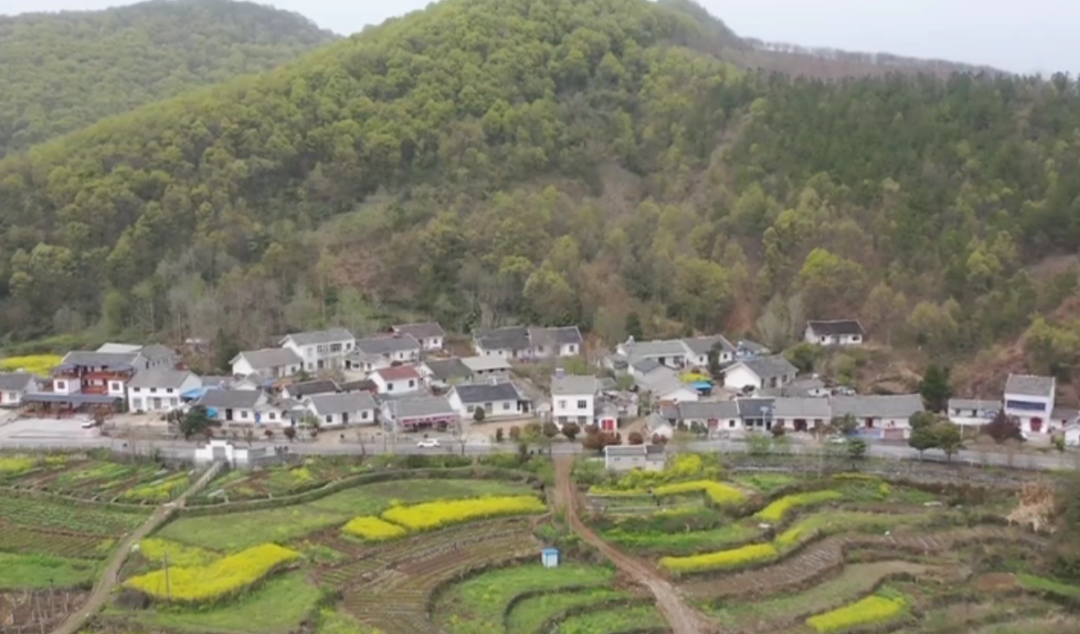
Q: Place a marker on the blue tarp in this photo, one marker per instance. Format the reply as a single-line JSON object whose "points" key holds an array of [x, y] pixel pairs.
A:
{"points": [[194, 393], [702, 386]]}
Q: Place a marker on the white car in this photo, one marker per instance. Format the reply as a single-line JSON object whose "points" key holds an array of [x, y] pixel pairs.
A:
{"points": [[837, 440], [427, 443]]}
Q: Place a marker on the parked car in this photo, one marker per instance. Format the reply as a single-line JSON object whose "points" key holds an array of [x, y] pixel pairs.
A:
{"points": [[427, 443], [837, 440]]}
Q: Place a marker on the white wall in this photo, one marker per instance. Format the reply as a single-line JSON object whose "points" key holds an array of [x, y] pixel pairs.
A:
{"points": [[397, 386], [1024, 416], [680, 395], [739, 377], [361, 417], [141, 398], [564, 408], [499, 409], [241, 367], [831, 340]]}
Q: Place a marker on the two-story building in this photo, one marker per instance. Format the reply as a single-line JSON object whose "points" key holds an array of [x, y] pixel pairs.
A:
{"points": [[1030, 400], [836, 332], [573, 399], [322, 349], [268, 363], [401, 379], [98, 374], [159, 390], [430, 335]]}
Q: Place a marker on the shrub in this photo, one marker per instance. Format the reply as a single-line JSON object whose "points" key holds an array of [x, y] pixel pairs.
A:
{"points": [[220, 580], [635, 438], [179, 555], [869, 611], [373, 529], [431, 515], [776, 511], [16, 464], [721, 560]]}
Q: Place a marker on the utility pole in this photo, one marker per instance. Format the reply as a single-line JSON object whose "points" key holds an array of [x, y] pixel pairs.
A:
{"points": [[168, 588]]}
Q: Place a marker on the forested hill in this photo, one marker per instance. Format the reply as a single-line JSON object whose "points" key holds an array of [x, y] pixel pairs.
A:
{"points": [[554, 161], [63, 71]]}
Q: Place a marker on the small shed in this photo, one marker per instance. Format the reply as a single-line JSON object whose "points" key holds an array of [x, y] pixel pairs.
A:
{"points": [[550, 557]]}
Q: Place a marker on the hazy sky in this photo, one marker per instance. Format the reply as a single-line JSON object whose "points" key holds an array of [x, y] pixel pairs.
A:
{"points": [[1021, 36]]}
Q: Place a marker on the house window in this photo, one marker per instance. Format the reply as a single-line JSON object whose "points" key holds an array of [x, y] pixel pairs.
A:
{"points": [[562, 404], [470, 408], [731, 424], [243, 413], [153, 390], [581, 405], [364, 415], [270, 416], [572, 348], [60, 385], [116, 387], [136, 389], [168, 390], [506, 405], [412, 383], [329, 418], [389, 387], [487, 407]]}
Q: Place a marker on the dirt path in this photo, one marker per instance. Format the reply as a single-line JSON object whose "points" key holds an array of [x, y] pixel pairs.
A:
{"points": [[682, 618], [110, 576]]}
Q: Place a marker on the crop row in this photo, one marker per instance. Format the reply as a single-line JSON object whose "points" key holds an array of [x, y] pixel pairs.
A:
{"points": [[20, 540], [77, 519], [871, 610], [778, 510], [217, 581]]}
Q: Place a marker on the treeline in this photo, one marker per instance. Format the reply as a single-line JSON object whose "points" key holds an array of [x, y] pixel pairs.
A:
{"points": [[62, 72], [586, 162]]}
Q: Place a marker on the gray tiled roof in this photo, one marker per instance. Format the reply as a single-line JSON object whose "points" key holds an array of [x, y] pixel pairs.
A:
{"points": [[446, 369], [574, 384], [157, 351], [554, 336], [388, 345], [836, 327], [802, 408], [307, 388], [891, 406], [267, 358], [645, 365], [159, 378], [104, 359], [333, 335], [770, 367], [509, 338], [704, 345], [487, 392], [1066, 414], [708, 410], [975, 404], [664, 348], [753, 407], [426, 330], [1029, 385], [231, 399], [341, 403], [420, 406], [15, 381]]}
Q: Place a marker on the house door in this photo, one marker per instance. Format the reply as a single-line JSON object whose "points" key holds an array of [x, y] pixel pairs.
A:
{"points": [[344, 418], [156, 403], [1036, 425], [800, 424], [869, 423], [228, 414]]}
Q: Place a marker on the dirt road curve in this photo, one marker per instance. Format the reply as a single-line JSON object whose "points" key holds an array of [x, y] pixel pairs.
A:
{"points": [[681, 617]]}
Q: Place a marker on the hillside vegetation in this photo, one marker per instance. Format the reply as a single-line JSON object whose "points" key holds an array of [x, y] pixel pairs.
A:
{"points": [[61, 72], [593, 162]]}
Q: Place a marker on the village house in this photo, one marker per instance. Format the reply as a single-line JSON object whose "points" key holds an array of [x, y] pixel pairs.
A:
{"points": [[699, 349], [402, 379], [159, 390], [745, 349], [972, 412], [447, 372], [1030, 400], [665, 385], [801, 413], [758, 373], [547, 343], [799, 388], [268, 363], [418, 413], [511, 342], [711, 415], [671, 353], [886, 416], [430, 335], [403, 348], [235, 406], [837, 332], [320, 350], [484, 367], [657, 426], [298, 391], [643, 367], [629, 457], [152, 356], [15, 385], [574, 399], [756, 413], [336, 410], [88, 379], [1062, 417], [365, 362], [498, 399]]}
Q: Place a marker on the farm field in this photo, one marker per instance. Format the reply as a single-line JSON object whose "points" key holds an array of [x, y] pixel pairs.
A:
{"points": [[88, 477]]}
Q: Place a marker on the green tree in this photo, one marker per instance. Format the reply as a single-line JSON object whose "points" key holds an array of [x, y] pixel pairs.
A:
{"points": [[846, 424], [803, 356], [934, 388], [571, 430], [948, 438], [478, 417], [196, 421], [856, 448], [922, 438]]}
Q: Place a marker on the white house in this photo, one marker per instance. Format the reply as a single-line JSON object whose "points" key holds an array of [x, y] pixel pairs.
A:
{"points": [[320, 350], [887, 415], [15, 385], [420, 412], [401, 379], [402, 348], [237, 457], [511, 342], [159, 390], [430, 334], [336, 410], [801, 413], [671, 353], [151, 356], [235, 406], [574, 399], [497, 399], [657, 425], [487, 366], [771, 372], [546, 343], [269, 363], [446, 372], [1030, 400], [629, 457], [665, 385], [699, 348], [712, 415], [837, 332], [972, 412]]}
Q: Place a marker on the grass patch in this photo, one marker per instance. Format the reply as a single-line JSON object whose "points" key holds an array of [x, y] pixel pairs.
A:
{"points": [[13, 465], [1043, 584], [779, 509], [79, 519], [765, 482], [830, 523], [333, 621], [277, 607], [236, 531], [29, 572], [529, 615], [476, 605], [873, 610], [155, 550], [615, 620], [681, 542]]}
